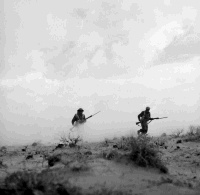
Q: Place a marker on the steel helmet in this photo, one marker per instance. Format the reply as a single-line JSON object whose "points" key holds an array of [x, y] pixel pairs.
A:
{"points": [[80, 109]]}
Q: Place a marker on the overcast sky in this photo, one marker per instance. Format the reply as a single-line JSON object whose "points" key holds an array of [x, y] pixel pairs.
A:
{"points": [[117, 56]]}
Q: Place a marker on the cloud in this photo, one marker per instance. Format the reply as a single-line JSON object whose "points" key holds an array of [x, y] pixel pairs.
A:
{"points": [[181, 48], [57, 27], [90, 41], [160, 39]]}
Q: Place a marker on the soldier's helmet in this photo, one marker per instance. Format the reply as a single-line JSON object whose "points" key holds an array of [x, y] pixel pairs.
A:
{"points": [[147, 108], [80, 110]]}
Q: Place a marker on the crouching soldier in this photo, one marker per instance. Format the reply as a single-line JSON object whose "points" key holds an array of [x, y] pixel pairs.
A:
{"points": [[79, 117]]}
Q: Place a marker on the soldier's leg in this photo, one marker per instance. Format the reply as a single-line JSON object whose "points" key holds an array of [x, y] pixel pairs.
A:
{"points": [[145, 128]]}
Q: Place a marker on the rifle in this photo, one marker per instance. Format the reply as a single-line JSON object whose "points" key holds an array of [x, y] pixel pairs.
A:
{"points": [[137, 123], [87, 118], [92, 115]]}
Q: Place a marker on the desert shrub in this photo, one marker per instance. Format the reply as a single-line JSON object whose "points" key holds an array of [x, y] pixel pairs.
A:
{"points": [[177, 133], [194, 130], [193, 134], [63, 138], [125, 143], [145, 153], [68, 140], [30, 183], [105, 143]]}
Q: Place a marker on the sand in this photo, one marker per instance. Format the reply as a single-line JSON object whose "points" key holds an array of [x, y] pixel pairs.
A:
{"points": [[86, 167]]}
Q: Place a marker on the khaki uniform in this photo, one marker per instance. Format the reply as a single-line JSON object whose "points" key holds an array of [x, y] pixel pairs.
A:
{"points": [[144, 121], [78, 130]]}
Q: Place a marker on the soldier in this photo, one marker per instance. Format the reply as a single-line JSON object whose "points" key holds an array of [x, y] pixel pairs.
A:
{"points": [[79, 117], [144, 117]]}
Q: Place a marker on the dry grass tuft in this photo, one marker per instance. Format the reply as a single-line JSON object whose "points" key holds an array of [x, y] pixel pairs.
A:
{"points": [[177, 134], [67, 140], [193, 134], [109, 155]]}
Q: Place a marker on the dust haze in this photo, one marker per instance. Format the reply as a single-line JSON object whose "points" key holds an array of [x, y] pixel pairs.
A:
{"points": [[116, 57]]}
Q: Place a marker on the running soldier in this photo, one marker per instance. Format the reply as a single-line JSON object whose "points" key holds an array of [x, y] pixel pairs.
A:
{"points": [[144, 117]]}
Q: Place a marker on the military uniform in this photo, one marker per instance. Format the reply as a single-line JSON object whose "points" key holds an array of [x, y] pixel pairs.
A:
{"points": [[144, 117], [78, 129]]}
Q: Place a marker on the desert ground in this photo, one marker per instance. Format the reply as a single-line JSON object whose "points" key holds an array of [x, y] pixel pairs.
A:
{"points": [[106, 167]]}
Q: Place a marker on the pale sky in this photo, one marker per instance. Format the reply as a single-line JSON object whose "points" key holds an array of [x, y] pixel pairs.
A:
{"points": [[114, 56]]}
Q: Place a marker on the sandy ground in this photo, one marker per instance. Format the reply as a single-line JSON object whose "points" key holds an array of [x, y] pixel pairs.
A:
{"points": [[86, 167]]}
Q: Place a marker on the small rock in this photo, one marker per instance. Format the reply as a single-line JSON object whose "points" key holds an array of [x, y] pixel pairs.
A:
{"points": [[162, 144], [190, 185], [115, 146], [187, 156], [75, 166], [53, 159], [178, 147], [34, 144], [179, 141], [24, 149], [88, 153], [3, 149], [37, 152], [30, 156]]}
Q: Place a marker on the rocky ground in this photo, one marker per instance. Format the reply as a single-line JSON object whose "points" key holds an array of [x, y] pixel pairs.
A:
{"points": [[104, 168]]}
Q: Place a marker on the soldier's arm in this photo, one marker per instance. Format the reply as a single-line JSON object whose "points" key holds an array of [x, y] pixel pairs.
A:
{"points": [[150, 116], [74, 119], [140, 115]]}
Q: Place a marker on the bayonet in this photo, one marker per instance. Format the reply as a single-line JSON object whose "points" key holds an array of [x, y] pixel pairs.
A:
{"points": [[87, 118]]}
